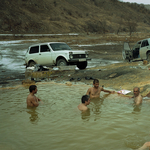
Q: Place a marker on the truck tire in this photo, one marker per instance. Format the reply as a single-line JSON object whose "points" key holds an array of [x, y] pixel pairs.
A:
{"points": [[31, 63], [82, 65], [148, 56], [61, 62]]}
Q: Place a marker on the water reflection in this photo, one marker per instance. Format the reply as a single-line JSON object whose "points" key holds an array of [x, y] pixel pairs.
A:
{"points": [[85, 115], [97, 104], [110, 116], [34, 115], [133, 141], [136, 109]]}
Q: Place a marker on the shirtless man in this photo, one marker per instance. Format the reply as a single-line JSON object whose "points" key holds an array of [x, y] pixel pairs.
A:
{"points": [[94, 92], [85, 101], [137, 96], [32, 100]]}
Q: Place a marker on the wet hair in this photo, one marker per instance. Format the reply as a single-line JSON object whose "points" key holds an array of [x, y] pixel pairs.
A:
{"points": [[95, 81], [137, 88], [32, 87], [84, 98]]}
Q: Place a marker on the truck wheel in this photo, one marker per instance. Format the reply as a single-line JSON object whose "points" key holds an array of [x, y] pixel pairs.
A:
{"points": [[148, 56], [82, 65], [61, 62], [31, 63]]}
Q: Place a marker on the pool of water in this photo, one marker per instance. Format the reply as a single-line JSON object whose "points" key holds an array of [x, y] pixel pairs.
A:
{"points": [[112, 122]]}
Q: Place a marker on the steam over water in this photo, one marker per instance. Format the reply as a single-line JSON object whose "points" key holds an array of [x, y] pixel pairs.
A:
{"points": [[112, 122]]}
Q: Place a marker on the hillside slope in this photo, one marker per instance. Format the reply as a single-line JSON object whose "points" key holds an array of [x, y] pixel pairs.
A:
{"points": [[64, 16]]}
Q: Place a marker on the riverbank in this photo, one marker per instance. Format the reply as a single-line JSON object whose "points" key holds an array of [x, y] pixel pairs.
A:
{"points": [[116, 76], [113, 77]]}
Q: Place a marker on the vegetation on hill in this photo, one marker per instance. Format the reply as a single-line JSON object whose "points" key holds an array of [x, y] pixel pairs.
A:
{"points": [[66, 16]]}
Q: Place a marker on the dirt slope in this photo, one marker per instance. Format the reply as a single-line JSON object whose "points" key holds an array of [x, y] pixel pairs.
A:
{"points": [[63, 16]]}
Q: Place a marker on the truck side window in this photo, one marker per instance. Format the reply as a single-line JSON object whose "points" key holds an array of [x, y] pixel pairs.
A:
{"points": [[147, 44], [34, 49], [44, 48], [144, 43]]}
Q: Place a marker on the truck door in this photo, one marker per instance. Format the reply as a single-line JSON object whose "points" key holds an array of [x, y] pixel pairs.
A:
{"points": [[144, 48], [45, 55], [136, 49], [127, 52]]}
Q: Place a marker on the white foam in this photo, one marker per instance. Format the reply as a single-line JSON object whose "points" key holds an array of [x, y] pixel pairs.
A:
{"points": [[15, 41], [110, 43]]}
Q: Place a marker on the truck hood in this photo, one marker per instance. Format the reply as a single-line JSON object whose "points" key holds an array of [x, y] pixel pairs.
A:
{"points": [[73, 51]]}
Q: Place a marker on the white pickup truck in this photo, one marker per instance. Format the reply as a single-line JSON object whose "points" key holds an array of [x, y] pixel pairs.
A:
{"points": [[55, 53], [140, 51]]}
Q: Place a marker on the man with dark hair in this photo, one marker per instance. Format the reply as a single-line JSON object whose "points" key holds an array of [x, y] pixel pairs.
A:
{"points": [[94, 92], [32, 100], [85, 101]]}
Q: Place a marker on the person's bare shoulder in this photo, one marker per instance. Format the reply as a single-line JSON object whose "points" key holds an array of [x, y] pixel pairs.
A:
{"points": [[82, 108], [85, 108], [140, 97], [101, 88], [89, 91], [31, 98], [28, 97], [90, 88]]}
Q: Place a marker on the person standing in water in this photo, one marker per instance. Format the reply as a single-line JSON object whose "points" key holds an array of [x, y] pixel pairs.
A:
{"points": [[32, 100], [137, 96], [85, 100], [94, 92]]}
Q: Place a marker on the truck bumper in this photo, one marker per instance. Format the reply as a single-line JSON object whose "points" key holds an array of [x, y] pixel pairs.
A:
{"points": [[79, 60]]}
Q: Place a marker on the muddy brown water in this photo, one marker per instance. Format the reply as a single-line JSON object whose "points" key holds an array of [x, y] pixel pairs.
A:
{"points": [[112, 122]]}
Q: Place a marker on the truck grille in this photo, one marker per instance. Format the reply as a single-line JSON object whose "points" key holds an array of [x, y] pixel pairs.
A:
{"points": [[79, 56]]}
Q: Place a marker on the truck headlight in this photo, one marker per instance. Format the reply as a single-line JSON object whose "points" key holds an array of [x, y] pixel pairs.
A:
{"points": [[70, 55], [86, 54]]}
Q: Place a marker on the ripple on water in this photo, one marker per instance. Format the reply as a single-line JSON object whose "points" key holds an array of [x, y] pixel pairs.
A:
{"points": [[58, 124]]}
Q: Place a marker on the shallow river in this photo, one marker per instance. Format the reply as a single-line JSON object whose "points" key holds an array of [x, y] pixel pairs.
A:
{"points": [[112, 122]]}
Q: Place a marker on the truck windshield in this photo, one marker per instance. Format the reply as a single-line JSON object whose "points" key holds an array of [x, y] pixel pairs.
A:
{"points": [[59, 46]]}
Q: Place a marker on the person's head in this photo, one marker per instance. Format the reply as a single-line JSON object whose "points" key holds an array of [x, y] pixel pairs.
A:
{"points": [[96, 83], [85, 99], [136, 91], [33, 88]]}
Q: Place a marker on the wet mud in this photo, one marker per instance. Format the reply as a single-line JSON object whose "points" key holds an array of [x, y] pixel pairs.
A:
{"points": [[106, 65]]}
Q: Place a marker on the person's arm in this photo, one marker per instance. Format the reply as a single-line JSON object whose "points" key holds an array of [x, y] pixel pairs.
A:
{"points": [[88, 91], [34, 102], [146, 145], [148, 95], [107, 91], [131, 96], [39, 99]]}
